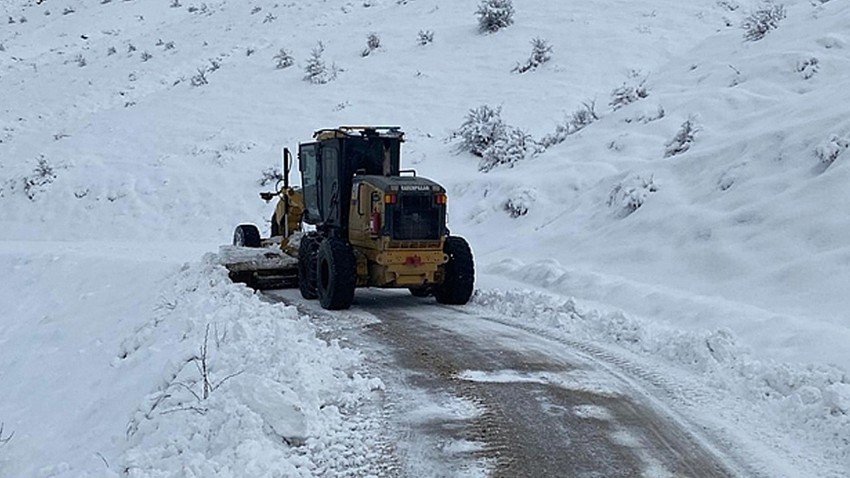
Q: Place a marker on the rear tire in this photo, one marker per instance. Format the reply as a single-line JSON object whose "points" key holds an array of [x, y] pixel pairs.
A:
{"points": [[246, 235], [307, 266], [336, 275], [459, 277]]}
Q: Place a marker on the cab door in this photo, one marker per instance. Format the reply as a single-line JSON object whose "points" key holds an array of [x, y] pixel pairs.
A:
{"points": [[308, 164]]}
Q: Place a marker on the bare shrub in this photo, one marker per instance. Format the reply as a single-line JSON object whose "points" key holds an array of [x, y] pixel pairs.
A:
{"points": [[270, 175], [146, 56], [763, 20], [208, 385], [493, 15]]}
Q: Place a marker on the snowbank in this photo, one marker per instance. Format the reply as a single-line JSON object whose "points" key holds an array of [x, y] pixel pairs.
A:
{"points": [[801, 409], [156, 370], [248, 390]]}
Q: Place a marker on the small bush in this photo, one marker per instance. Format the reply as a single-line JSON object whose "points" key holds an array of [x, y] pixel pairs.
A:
{"points": [[519, 203], [760, 22], [373, 42], [630, 194], [424, 37], [42, 175], [269, 18], [480, 130], [80, 60], [175, 4], [808, 68], [627, 94], [512, 146], [316, 71], [832, 148], [283, 59], [146, 56], [581, 118], [199, 78], [493, 15], [683, 140], [541, 52], [111, 51]]}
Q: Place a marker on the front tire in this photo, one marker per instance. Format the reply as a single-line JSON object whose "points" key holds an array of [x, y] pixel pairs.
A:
{"points": [[246, 235], [336, 274], [307, 266], [459, 276]]}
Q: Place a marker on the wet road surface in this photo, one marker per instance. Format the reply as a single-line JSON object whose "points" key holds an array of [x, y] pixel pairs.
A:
{"points": [[510, 403]]}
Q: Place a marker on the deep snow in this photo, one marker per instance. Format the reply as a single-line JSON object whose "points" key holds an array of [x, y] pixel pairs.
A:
{"points": [[739, 249]]}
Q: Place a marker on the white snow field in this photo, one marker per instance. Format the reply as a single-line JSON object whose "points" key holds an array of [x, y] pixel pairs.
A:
{"points": [[133, 135]]}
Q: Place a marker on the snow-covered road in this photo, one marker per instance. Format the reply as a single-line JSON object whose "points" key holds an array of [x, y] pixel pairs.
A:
{"points": [[471, 393]]}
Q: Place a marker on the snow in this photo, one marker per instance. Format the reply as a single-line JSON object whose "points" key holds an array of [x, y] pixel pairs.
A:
{"points": [[729, 274]]}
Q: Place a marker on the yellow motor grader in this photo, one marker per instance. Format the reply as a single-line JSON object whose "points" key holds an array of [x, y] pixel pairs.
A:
{"points": [[371, 224]]}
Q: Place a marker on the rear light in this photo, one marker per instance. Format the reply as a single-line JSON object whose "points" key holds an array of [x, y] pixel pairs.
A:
{"points": [[390, 198], [440, 199]]}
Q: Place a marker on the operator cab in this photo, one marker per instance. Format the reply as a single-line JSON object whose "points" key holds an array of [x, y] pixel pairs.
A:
{"points": [[329, 164]]}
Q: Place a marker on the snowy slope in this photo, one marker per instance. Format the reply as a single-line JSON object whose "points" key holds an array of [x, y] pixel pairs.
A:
{"points": [[743, 235]]}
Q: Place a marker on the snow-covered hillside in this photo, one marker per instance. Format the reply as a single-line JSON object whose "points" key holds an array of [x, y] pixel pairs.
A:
{"points": [[133, 135]]}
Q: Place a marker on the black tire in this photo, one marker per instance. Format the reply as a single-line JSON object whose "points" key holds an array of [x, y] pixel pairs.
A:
{"points": [[420, 291], [246, 235], [336, 274], [459, 277], [275, 226], [307, 266]]}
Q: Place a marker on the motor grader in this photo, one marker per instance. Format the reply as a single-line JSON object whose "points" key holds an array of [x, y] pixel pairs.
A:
{"points": [[371, 224]]}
